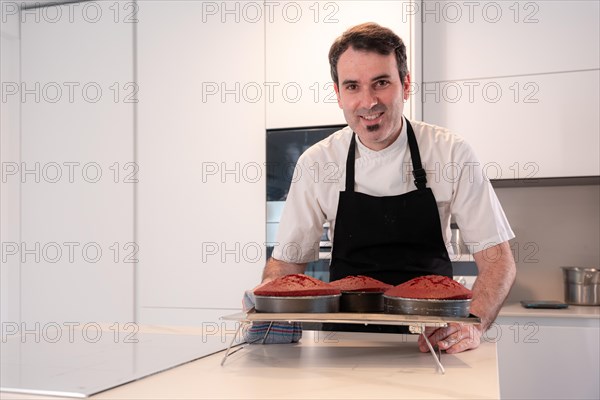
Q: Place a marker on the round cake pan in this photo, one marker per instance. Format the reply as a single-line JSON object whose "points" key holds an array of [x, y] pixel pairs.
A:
{"points": [[361, 302], [303, 304], [441, 308]]}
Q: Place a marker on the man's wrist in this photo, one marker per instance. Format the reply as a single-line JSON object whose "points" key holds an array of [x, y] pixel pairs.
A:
{"points": [[485, 321]]}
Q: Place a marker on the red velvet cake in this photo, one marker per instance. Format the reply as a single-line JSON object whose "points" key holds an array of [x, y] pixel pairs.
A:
{"points": [[360, 283], [296, 285], [430, 287]]}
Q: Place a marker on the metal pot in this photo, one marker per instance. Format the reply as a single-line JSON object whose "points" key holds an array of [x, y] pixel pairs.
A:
{"points": [[582, 286]]}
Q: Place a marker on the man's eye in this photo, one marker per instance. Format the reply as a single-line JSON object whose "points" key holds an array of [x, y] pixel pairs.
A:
{"points": [[351, 87], [382, 83]]}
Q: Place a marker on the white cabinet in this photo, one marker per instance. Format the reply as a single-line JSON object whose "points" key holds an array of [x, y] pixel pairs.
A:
{"points": [[75, 172], [524, 127], [476, 40], [201, 151], [547, 357], [297, 46], [9, 158], [519, 80]]}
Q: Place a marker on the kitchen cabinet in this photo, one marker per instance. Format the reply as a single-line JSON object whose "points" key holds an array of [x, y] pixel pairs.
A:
{"points": [[297, 42], [76, 169], [465, 40], [524, 127], [519, 80], [9, 155], [201, 153], [548, 354]]}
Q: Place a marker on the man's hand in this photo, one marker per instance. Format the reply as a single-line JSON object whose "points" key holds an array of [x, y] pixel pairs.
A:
{"points": [[279, 332], [277, 268], [454, 338]]}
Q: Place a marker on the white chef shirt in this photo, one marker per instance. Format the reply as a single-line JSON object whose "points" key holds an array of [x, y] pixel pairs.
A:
{"points": [[454, 174]]}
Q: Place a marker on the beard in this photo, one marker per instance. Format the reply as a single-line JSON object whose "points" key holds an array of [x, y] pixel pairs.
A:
{"points": [[373, 128]]}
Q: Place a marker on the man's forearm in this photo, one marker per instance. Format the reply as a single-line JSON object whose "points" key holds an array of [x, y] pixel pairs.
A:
{"points": [[276, 268], [497, 273]]}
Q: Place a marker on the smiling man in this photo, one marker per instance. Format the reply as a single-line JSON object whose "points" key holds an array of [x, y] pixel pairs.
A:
{"points": [[389, 216]]}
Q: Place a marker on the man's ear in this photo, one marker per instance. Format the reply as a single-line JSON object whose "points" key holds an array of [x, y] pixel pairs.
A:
{"points": [[337, 94], [406, 86]]}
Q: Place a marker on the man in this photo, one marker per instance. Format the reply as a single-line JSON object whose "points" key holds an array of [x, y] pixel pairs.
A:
{"points": [[385, 224]]}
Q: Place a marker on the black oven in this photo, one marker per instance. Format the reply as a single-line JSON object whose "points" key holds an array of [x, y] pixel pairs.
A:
{"points": [[284, 147]]}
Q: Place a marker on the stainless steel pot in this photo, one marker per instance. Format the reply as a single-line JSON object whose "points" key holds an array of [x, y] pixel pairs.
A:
{"points": [[582, 286]]}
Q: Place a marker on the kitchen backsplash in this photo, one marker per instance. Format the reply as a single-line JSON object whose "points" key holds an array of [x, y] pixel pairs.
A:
{"points": [[554, 226]]}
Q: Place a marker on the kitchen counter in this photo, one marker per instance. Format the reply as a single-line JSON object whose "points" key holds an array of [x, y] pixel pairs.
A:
{"points": [[327, 365], [583, 312], [324, 365], [548, 354]]}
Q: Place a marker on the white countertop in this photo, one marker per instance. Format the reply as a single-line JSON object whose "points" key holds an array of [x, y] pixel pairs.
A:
{"points": [[324, 365], [517, 310], [327, 365]]}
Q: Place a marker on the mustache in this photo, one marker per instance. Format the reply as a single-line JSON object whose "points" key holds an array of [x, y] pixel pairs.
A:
{"points": [[378, 108]]}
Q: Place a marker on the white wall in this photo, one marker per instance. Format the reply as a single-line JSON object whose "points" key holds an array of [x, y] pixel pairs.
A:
{"points": [[554, 226]]}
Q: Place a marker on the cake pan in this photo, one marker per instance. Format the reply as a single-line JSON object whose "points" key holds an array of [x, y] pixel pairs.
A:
{"points": [[361, 302], [300, 304], [442, 308]]}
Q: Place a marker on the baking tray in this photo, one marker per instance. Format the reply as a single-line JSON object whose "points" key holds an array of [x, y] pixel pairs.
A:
{"points": [[416, 323], [353, 318]]}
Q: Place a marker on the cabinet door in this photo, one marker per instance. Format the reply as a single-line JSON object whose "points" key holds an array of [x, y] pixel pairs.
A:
{"points": [[525, 126], [76, 172], [10, 159], [201, 149], [547, 358], [298, 38], [519, 80], [468, 40]]}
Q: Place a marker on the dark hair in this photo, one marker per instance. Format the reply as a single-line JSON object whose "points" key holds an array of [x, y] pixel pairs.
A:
{"points": [[369, 37]]}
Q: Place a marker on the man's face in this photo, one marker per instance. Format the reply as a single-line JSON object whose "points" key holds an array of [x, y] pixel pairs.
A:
{"points": [[372, 96]]}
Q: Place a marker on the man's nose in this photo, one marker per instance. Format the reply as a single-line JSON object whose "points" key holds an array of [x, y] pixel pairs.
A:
{"points": [[368, 99]]}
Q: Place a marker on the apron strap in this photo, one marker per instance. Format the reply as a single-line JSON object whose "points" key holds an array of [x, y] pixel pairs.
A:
{"points": [[418, 172], [350, 164]]}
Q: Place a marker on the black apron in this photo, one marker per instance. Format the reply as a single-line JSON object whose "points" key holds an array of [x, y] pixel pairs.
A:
{"points": [[390, 238]]}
